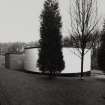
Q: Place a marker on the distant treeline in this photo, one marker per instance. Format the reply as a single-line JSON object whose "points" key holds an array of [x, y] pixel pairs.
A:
{"points": [[18, 47], [15, 47]]}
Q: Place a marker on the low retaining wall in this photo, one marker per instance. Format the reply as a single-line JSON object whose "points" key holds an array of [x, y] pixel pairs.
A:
{"points": [[14, 61]]}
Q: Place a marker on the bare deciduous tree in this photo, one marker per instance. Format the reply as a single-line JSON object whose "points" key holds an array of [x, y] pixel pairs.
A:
{"points": [[84, 22]]}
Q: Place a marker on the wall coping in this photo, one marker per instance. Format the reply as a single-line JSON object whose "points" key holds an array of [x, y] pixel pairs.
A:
{"points": [[14, 53]]}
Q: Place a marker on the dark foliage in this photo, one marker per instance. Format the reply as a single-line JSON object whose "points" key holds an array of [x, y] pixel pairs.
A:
{"points": [[50, 54], [67, 42], [94, 59], [101, 51]]}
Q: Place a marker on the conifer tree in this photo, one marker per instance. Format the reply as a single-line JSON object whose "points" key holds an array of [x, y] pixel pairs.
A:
{"points": [[50, 54]]}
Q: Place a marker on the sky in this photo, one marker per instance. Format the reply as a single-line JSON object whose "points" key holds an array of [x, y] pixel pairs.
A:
{"points": [[19, 19]]}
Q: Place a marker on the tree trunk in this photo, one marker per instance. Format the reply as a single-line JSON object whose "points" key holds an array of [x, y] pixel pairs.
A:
{"points": [[50, 75], [82, 61]]}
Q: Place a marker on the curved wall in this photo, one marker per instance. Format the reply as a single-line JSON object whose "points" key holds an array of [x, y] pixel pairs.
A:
{"points": [[14, 61], [72, 60]]}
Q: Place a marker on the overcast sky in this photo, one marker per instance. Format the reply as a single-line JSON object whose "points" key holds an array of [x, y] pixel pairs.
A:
{"points": [[19, 19]]}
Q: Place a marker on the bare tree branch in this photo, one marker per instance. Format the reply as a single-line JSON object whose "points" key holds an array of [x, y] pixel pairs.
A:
{"points": [[84, 23]]}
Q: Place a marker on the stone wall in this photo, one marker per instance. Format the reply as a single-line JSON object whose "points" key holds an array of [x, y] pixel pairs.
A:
{"points": [[14, 61]]}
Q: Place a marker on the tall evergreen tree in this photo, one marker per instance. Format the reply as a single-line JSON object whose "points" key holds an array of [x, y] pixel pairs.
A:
{"points": [[50, 54]]}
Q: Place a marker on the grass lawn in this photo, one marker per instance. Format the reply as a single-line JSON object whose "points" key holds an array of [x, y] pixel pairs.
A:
{"points": [[22, 88]]}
